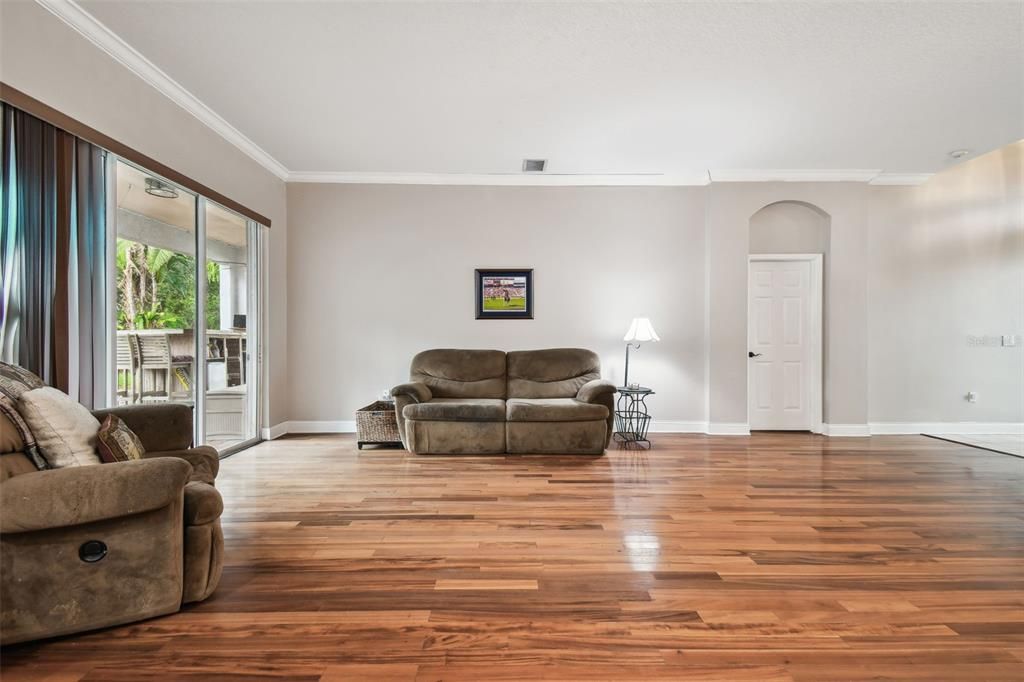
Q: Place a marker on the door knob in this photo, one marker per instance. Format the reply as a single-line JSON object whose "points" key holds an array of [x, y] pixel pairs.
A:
{"points": [[752, 354]]}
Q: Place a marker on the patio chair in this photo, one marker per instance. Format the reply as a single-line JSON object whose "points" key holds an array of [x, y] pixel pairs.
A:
{"points": [[155, 357], [127, 366]]}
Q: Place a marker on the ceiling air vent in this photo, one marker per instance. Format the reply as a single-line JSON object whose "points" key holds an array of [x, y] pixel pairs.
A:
{"points": [[534, 165]]}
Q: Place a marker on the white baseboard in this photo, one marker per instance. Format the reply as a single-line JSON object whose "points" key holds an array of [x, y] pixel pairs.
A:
{"points": [[278, 430], [952, 428], [675, 426], [916, 428], [845, 430], [728, 429], [321, 427], [275, 431]]}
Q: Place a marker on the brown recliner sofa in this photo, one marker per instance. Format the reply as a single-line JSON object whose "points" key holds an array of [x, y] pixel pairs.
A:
{"points": [[88, 547], [549, 401]]}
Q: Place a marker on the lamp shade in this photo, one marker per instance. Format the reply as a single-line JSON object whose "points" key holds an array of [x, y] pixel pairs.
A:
{"points": [[640, 330]]}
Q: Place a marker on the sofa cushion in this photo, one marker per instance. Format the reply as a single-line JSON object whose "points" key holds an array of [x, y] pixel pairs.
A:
{"points": [[455, 438], [553, 410], [15, 464], [15, 380], [11, 439], [454, 373], [160, 426], [64, 430], [203, 458], [551, 373], [116, 442], [556, 438], [457, 410]]}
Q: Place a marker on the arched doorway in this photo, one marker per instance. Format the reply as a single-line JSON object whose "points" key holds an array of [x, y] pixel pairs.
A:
{"points": [[789, 243]]}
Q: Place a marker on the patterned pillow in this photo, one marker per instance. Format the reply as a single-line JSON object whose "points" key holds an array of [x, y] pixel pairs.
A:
{"points": [[16, 380], [30, 448], [118, 443], [64, 430]]}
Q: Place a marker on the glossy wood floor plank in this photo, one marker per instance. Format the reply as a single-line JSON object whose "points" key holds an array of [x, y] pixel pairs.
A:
{"points": [[776, 557]]}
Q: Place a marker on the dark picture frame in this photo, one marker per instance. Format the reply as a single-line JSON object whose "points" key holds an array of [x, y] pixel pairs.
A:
{"points": [[498, 294]]}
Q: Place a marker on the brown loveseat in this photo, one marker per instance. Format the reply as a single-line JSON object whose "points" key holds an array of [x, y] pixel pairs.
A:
{"points": [[487, 401], [93, 546]]}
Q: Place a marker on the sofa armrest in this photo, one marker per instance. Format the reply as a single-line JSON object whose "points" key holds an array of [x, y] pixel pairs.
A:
{"points": [[58, 498], [203, 504], [416, 390], [407, 394], [203, 458], [592, 391], [167, 426]]}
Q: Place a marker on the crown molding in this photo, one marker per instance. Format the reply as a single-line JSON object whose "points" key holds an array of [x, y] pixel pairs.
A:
{"points": [[794, 175], [910, 179], [102, 37], [871, 177], [503, 179]]}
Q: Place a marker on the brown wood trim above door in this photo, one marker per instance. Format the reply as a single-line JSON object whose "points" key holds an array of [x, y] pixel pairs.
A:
{"points": [[29, 104]]}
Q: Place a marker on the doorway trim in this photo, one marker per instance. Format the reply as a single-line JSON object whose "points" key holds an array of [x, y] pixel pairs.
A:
{"points": [[816, 322]]}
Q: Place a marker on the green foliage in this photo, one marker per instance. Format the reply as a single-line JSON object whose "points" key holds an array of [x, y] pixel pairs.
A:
{"points": [[168, 280], [212, 295]]}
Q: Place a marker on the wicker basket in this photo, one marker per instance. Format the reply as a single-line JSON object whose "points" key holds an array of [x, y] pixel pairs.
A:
{"points": [[376, 424]]}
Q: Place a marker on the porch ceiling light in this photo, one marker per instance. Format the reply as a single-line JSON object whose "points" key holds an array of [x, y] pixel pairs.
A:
{"points": [[159, 188]]}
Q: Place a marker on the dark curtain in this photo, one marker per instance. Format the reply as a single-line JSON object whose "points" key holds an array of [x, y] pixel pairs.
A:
{"points": [[53, 251]]}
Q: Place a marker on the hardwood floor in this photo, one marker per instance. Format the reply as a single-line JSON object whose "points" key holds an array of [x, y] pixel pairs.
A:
{"points": [[775, 557]]}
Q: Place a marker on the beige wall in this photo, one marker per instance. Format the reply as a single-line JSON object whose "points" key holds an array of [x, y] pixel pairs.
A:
{"points": [[730, 207], [789, 227], [379, 272], [946, 261], [43, 57]]}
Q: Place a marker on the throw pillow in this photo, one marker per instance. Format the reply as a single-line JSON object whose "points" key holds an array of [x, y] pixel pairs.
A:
{"points": [[64, 430], [28, 443], [116, 442], [15, 380]]}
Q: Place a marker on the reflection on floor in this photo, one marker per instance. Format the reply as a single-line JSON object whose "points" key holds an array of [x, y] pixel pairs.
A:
{"points": [[1008, 444], [769, 558], [222, 444]]}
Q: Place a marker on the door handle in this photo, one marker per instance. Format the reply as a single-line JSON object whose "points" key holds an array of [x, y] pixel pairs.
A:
{"points": [[752, 354]]}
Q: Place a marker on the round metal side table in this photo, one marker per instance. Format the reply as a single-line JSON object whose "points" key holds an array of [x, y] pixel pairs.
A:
{"points": [[631, 418]]}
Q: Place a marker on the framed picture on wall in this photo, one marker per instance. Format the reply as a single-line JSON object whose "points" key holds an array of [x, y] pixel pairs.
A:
{"points": [[504, 294]]}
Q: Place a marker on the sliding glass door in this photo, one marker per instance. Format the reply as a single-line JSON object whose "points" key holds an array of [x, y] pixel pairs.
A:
{"points": [[229, 370], [186, 306], [156, 289]]}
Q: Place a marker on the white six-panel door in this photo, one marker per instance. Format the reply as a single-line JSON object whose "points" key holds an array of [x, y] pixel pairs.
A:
{"points": [[784, 342]]}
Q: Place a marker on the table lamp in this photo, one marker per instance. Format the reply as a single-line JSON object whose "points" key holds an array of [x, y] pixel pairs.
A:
{"points": [[640, 330]]}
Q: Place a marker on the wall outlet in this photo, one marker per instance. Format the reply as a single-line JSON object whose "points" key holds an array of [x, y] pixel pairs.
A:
{"points": [[971, 397], [1009, 340]]}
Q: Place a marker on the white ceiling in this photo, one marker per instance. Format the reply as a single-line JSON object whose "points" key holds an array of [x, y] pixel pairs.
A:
{"points": [[595, 88]]}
